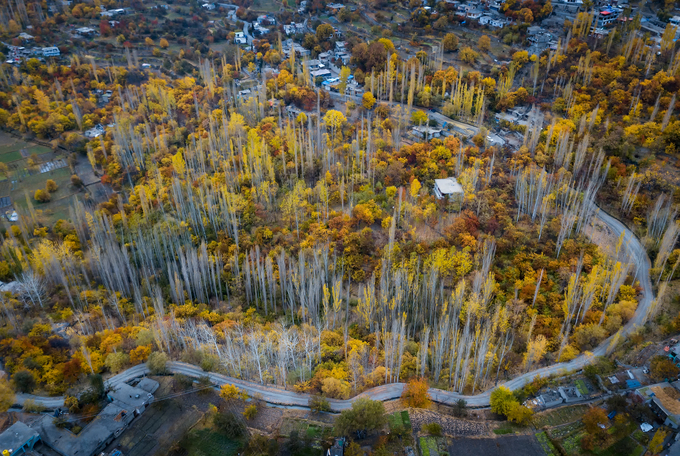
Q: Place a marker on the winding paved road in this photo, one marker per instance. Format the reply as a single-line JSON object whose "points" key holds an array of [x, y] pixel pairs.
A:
{"points": [[636, 254]]}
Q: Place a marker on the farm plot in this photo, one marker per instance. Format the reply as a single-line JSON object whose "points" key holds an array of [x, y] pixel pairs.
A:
{"points": [[399, 420], [560, 416], [433, 446]]}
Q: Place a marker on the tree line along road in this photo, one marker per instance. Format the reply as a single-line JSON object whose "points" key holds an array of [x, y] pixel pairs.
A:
{"points": [[274, 395]]}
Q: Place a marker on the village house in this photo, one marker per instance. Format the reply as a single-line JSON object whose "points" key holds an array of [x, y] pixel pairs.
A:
{"points": [[427, 133], [51, 51], [662, 398], [18, 438], [449, 189]]}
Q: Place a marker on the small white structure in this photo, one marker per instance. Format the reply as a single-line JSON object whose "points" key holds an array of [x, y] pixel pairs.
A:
{"points": [[448, 188], [322, 73], [314, 65], [427, 133], [474, 14], [498, 23], [240, 38], [86, 31], [208, 6], [51, 51], [95, 132]]}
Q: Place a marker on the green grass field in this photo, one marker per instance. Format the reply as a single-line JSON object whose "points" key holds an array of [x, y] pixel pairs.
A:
{"points": [[582, 388], [267, 6], [304, 428], [12, 152], [9, 157], [546, 444], [399, 420], [562, 415], [204, 442], [624, 447], [62, 199], [433, 446]]}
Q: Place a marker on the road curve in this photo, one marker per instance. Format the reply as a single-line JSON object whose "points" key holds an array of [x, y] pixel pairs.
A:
{"points": [[274, 395]]}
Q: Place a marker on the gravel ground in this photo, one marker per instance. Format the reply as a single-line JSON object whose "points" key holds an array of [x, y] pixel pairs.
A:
{"points": [[451, 426], [524, 445]]}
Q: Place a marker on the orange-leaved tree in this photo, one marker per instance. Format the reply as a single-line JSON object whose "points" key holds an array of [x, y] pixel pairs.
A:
{"points": [[415, 394]]}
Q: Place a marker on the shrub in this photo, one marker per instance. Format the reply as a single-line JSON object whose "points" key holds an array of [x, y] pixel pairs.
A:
{"points": [[250, 412], [228, 423], [319, 404], [24, 381], [76, 181], [365, 415], [51, 186], [116, 362], [42, 196], [182, 382], [433, 429], [31, 406], [157, 363], [415, 394]]}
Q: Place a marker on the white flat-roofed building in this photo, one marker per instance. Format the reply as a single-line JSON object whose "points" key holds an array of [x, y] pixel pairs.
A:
{"points": [[448, 188], [51, 51]]}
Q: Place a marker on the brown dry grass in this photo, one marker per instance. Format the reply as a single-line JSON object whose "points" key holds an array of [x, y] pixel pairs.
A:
{"points": [[668, 397]]}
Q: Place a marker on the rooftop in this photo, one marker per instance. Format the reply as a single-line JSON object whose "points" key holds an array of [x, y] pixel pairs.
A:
{"points": [[667, 397], [148, 385], [16, 436], [130, 396], [448, 186], [110, 422]]}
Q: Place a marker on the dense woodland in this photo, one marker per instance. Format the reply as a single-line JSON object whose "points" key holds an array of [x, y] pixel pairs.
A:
{"points": [[308, 250]]}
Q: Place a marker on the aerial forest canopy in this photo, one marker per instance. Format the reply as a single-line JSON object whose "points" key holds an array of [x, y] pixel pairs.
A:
{"points": [[305, 247]]}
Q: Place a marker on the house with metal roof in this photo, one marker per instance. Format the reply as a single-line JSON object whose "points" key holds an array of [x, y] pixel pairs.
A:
{"points": [[448, 188], [18, 438]]}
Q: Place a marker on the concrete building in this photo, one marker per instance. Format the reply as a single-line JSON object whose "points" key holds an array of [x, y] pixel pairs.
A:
{"points": [[448, 188], [570, 393], [240, 38], [314, 65], [427, 133], [96, 436], [606, 16], [551, 399], [494, 140], [266, 19], [113, 12], [148, 385], [662, 398], [51, 51], [95, 132], [474, 14], [131, 397], [86, 31], [18, 438], [322, 73]]}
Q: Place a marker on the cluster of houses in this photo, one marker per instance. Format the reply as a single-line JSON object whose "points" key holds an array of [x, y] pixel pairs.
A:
{"points": [[125, 403], [472, 11], [339, 54], [294, 28], [16, 54]]}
